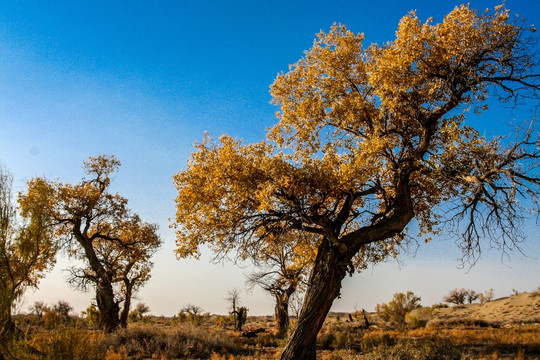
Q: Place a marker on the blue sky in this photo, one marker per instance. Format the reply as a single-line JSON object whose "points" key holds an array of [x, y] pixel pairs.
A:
{"points": [[144, 79]]}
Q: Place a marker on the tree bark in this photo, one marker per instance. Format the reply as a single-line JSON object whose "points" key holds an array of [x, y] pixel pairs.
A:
{"points": [[108, 307], [282, 307], [282, 313], [324, 286], [7, 326], [127, 303]]}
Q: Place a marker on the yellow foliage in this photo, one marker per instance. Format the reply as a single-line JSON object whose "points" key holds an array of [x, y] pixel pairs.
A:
{"points": [[367, 139]]}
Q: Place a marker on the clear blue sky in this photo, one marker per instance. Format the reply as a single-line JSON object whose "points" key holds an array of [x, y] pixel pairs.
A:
{"points": [[144, 79]]}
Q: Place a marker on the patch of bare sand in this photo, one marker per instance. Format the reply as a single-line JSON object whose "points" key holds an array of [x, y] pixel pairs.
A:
{"points": [[516, 309]]}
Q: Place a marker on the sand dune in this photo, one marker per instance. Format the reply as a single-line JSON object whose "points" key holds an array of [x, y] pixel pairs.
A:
{"points": [[516, 309]]}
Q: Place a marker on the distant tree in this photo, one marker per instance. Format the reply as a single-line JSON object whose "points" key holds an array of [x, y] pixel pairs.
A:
{"points": [[396, 310], [460, 296], [142, 308], [192, 313], [38, 308], [471, 296], [233, 298], [368, 139], [27, 252], [98, 228], [284, 269], [487, 296], [138, 313], [456, 296], [295, 303], [63, 308]]}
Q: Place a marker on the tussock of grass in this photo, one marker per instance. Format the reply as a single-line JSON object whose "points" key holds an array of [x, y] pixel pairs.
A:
{"points": [[137, 342], [61, 344], [185, 341]]}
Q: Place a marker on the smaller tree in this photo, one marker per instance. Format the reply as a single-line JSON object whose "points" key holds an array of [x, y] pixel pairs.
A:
{"points": [[192, 313], [233, 298], [487, 296], [471, 296], [460, 296], [396, 310], [97, 227], [295, 303], [284, 268], [38, 309], [138, 313], [63, 308]]}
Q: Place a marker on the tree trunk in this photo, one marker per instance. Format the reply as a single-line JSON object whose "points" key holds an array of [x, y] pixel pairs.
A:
{"points": [[324, 286], [282, 313], [108, 307], [7, 327], [127, 303]]}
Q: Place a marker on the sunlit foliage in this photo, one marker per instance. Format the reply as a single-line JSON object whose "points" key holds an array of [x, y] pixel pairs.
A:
{"points": [[27, 252], [98, 228], [368, 139]]}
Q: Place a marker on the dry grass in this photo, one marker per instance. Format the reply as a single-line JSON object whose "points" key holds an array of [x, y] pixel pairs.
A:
{"points": [[214, 339]]}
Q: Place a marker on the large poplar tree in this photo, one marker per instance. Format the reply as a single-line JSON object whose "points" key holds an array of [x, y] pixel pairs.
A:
{"points": [[368, 139]]}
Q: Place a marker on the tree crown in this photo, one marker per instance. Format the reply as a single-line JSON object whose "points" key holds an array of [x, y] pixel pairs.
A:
{"points": [[369, 138]]}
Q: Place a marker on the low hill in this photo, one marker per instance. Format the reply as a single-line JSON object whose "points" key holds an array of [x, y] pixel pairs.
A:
{"points": [[517, 309]]}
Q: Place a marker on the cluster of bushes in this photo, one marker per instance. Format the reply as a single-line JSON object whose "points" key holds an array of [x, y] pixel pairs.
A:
{"points": [[54, 316], [136, 342]]}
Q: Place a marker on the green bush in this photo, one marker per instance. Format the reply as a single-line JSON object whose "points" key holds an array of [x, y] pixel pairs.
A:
{"points": [[396, 310], [414, 323]]}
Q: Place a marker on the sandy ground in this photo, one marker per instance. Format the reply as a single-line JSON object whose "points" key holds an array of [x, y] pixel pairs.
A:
{"points": [[516, 309]]}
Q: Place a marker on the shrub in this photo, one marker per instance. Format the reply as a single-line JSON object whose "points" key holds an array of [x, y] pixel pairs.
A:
{"points": [[92, 315], [415, 323], [185, 341], [439, 306], [409, 349], [51, 319], [340, 339], [65, 344], [396, 310], [191, 313], [373, 340], [241, 317]]}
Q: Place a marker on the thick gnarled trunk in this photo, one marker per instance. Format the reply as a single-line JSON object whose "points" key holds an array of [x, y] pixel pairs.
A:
{"points": [[282, 313], [324, 286], [282, 307], [108, 307]]}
